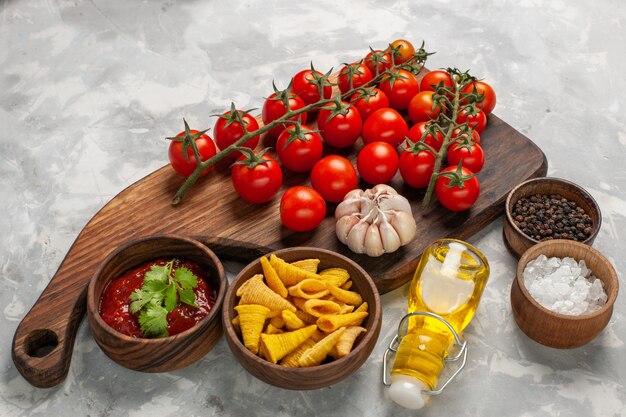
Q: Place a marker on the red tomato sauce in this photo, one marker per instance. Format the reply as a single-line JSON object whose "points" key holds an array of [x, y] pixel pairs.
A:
{"points": [[115, 302]]}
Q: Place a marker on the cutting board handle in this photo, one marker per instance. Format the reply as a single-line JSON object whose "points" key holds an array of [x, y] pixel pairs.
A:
{"points": [[44, 340]]}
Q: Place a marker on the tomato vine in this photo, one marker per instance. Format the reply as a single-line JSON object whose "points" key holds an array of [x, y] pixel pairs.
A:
{"points": [[414, 64]]}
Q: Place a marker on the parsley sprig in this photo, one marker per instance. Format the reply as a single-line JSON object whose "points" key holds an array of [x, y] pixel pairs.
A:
{"points": [[159, 294]]}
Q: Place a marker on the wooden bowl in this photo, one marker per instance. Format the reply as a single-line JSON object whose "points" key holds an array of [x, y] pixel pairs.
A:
{"points": [[317, 376], [168, 353], [560, 330], [516, 241]]}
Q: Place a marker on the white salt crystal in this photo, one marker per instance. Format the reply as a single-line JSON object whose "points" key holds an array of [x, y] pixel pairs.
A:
{"points": [[564, 285]]}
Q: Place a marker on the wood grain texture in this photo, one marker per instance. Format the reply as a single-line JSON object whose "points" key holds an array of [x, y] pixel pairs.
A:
{"points": [[516, 241], [213, 214], [554, 329], [317, 376]]}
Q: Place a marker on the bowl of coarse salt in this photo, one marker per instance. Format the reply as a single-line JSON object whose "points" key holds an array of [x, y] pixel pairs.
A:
{"points": [[563, 293]]}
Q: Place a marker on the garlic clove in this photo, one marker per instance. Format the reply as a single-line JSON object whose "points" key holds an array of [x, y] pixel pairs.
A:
{"points": [[356, 237], [395, 202], [389, 237], [380, 189], [405, 226], [373, 241], [344, 225], [350, 204]]}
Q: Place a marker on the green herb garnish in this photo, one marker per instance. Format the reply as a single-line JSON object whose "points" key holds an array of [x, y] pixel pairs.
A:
{"points": [[159, 294]]}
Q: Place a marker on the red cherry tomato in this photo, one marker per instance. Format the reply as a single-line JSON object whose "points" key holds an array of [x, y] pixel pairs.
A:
{"points": [[377, 162], [299, 148], [456, 197], [475, 135], [333, 177], [228, 130], [259, 180], [302, 209], [417, 131], [434, 78], [404, 51], [478, 122], [405, 86], [472, 156], [386, 125], [422, 107], [359, 73], [368, 101], [416, 168], [305, 87], [489, 95], [273, 108], [186, 166], [342, 130], [377, 59]]}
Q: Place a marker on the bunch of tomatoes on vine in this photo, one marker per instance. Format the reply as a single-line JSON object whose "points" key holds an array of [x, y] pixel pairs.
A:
{"points": [[428, 129]]}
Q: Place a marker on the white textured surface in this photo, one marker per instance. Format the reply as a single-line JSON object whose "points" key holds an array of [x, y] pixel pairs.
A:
{"points": [[89, 89]]}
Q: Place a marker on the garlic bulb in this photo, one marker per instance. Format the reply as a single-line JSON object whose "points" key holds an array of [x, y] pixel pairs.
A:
{"points": [[375, 221]]}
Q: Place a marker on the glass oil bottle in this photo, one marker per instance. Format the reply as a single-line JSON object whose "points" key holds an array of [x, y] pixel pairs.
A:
{"points": [[443, 298]]}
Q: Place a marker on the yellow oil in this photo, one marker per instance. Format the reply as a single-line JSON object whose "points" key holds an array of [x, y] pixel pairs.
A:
{"points": [[449, 282]]}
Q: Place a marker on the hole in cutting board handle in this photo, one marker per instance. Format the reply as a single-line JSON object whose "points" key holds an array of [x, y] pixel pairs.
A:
{"points": [[41, 342]]}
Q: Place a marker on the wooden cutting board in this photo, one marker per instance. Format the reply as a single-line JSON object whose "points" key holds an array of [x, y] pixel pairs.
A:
{"points": [[213, 214]]}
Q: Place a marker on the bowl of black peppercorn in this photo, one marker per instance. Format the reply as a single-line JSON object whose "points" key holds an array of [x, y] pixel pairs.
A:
{"points": [[549, 208]]}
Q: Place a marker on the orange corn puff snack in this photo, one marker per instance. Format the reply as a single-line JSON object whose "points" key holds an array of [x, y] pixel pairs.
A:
{"points": [[256, 292], [346, 341], [348, 297], [251, 320], [289, 274], [331, 322], [292, 322], [318, 308], [309, 288], [276, 346], [309, 265], [272, 278], [319, 351]]}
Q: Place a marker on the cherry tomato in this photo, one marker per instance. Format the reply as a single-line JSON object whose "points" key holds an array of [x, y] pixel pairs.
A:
{"points": [[377, 162], [472, 156], [258, 179], [434, 78], [302, 209], [273, 108], [342, 130], [489, 95], [186, 166], [478, 122], [359, 73], [377, 59], [386, 125], [475, 135], [228, 130], [368, 101], [305, 86], [422, 107], [417, 131], [404, 50], [416, 168], [299, 148], [456, 197], [405, 86], [333, 177]]}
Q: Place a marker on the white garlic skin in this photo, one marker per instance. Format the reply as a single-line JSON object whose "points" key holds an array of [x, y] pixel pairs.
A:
{"points": [[375, 221]]}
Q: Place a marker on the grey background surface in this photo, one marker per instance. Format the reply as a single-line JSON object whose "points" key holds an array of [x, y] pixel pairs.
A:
{"points": [[89, 89]]}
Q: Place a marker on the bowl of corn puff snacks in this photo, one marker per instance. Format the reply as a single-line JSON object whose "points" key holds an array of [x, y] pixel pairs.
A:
{"points": [[302, 318]]}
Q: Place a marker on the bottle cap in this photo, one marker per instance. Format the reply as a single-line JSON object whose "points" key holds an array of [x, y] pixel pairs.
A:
{"points": [[407, 391]]}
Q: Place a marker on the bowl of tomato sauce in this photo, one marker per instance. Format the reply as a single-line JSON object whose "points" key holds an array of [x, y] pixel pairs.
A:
{"points": [[155, 303]]}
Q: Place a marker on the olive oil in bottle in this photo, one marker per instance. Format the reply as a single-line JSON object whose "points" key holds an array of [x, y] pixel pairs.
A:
{"points": [[449, 282]]}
